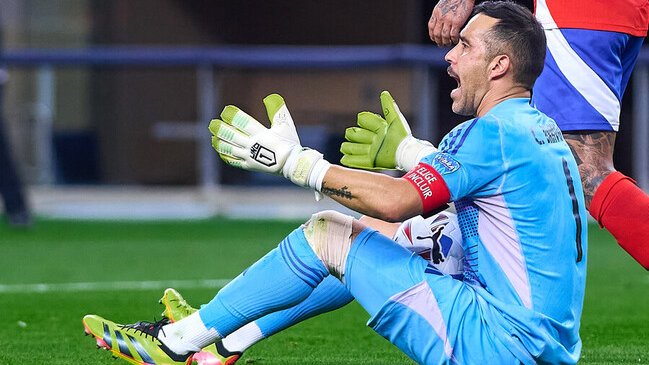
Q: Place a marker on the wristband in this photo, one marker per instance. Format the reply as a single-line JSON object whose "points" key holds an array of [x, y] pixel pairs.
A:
{"points": [[305, 167], [410, 151]]}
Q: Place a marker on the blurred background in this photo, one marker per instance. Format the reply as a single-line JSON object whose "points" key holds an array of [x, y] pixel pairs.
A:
{"points": [[105, 104], [104, 108]]}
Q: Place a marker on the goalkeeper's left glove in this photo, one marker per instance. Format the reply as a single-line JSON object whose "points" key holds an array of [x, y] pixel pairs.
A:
{"points": [[243, 142], [383, 144]]}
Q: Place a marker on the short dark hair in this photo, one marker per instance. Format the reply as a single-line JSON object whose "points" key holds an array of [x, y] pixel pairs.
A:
{"points": [[517, 34]]}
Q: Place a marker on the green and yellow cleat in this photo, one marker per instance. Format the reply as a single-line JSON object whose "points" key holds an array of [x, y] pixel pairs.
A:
{"points": [[176, 308], [136, 343]]}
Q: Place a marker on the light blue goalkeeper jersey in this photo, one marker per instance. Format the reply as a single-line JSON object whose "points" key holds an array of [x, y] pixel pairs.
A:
{"points": [[521, 210]]}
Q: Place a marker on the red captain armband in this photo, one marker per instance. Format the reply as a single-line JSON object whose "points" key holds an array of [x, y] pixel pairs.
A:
{"points": [[430, 185]]}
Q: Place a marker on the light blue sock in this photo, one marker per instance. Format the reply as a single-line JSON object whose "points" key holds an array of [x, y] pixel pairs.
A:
{"points": [[283, 278], [331, 294]]}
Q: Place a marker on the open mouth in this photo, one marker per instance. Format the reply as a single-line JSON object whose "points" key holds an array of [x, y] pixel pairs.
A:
{"points": [[455, 77]]}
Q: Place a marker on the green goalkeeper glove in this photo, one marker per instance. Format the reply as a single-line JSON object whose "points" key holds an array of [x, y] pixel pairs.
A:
{"points": [[243, 142], [383, 143]]}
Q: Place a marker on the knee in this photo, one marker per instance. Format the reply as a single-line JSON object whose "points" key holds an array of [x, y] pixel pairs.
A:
{"points": [[330, 234], [328, 217]]}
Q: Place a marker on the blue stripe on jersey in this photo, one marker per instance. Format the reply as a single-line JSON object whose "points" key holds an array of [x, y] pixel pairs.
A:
{"points": [[454, 134], [308, 275], [446, 142], [464, 135]]}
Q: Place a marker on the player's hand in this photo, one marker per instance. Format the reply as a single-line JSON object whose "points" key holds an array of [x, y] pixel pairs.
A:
{"points": [[382, 143], [243, 142], [447, 20], [373, 144]]}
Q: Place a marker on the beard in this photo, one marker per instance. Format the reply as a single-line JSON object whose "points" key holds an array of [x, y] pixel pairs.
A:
{"points": [[463, 104]]}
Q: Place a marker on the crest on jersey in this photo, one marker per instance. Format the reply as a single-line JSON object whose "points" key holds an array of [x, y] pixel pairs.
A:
{"points": [[445, 163]]}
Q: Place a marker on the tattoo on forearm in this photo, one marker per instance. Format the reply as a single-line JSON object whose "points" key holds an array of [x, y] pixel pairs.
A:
{"points": [[341, 192], [594, 155], [446, 6]]}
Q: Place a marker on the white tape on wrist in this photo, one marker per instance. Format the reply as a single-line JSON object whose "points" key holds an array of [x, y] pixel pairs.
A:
{"points": [[410, 151], [318, 173], [305, 166], [290, 161], [317, 177]]}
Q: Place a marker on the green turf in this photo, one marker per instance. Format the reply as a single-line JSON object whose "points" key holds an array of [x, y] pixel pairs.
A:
{"points": [[45, 328]]}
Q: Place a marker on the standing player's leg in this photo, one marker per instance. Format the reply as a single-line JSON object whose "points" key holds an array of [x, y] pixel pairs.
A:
{"points": [[581, 87], [616, 202]]}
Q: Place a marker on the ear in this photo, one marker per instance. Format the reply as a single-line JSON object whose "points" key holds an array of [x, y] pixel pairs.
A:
{"points": [[499, 66]]}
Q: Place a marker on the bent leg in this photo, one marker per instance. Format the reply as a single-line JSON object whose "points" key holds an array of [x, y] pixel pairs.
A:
{"points": [[329, 295], [284, 277]]}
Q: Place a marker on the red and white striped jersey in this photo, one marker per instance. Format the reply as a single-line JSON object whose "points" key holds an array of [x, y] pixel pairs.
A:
{"points": [[624, 16]]}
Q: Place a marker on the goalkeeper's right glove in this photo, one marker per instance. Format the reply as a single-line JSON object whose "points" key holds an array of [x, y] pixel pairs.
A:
{"points": [[243, 142], [383, 144]]}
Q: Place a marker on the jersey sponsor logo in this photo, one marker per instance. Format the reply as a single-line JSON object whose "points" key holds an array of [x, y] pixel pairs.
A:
{"points": [[445, 164], [262, 155]]}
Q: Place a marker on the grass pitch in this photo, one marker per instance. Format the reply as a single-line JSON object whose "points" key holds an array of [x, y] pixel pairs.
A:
{"points": [[42, 324]]}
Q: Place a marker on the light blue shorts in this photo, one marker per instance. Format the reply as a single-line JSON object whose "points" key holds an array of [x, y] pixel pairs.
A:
{"points": [[433, 318], [584, 78]]}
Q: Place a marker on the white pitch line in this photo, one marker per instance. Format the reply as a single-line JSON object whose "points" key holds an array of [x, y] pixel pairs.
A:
{"points": [[112, 286]]}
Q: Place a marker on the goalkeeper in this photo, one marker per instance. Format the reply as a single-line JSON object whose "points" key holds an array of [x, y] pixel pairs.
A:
{"points": [[520, 206]]}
